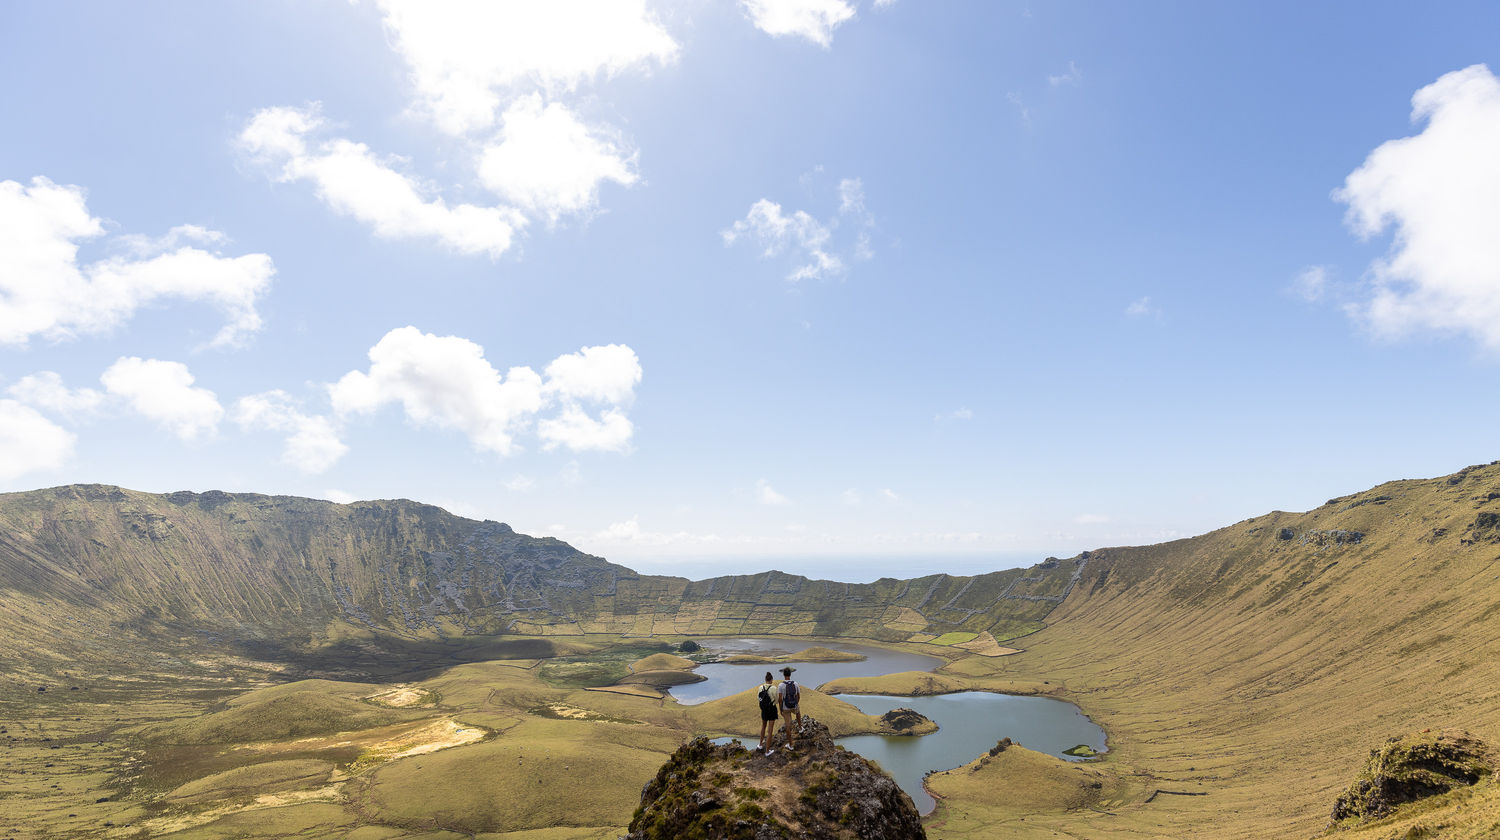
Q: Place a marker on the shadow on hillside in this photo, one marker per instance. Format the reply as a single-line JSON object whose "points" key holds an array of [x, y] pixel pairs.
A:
{"points": [[394, 659]]}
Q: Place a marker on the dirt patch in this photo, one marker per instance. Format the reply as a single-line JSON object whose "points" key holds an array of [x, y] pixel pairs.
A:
{"points": [[562, 711], [985, 645], [438, 735], [385, 743], [404, 697]]}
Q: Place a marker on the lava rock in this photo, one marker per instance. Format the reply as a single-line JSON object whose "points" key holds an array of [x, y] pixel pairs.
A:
{"points": [[816, 790]]}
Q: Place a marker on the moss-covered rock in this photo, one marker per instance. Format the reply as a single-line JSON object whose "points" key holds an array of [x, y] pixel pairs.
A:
{"points": [[1409, 768], [816, 790]]}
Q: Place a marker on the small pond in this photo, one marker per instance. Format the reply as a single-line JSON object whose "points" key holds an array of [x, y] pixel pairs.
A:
{"points": [[969, 722]]}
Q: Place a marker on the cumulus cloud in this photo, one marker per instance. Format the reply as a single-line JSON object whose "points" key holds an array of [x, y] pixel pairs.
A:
{"points": [[1142, 308], [576, 430], [767, 495], [608, 373], [1439, 193], [353, 181], [30, 442], [48, 292], [446, 382], [548, 162], [814, 20], [46, 390], [468, 56], [164, 392], [312, 443]]}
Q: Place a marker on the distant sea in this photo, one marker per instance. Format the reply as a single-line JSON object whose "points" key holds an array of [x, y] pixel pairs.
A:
{"points": [[845, 568]]}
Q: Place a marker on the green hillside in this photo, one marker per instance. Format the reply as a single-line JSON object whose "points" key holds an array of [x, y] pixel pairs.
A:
{"points": [[92, 574]]}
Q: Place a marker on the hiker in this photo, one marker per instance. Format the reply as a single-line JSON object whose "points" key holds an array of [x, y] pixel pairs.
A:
{"points": [[770, 702], [791, 699]]}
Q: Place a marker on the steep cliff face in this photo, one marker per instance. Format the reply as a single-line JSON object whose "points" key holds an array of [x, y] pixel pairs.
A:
{"points": [[88, 569], [817, 791]]}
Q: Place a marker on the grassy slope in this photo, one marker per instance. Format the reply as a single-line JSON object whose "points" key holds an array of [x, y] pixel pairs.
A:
{"points": [[1261, 670]]}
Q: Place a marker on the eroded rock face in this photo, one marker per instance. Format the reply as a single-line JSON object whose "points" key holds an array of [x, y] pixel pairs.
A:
{"points": [[1410, 768], [815, 790]]}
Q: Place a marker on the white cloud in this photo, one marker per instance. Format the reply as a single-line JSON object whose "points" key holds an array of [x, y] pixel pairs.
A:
{"points": [[767, 495], [774, 231], [353, 181], [550, 163], [576, 430], [814, 20], [630, 532], [164, 392], [467, 57], [48, 292], [571, 474], [1072, 76], [607, 373], [340, 497], [955, 414], [1439, 191], [1021, 107], [520, 483], [889, 495], [851, 497], [1141, 308], [443, 381], [46, 390], [312, 443], [446, 382], [852, 197], [30, 442], [1311, 284]]}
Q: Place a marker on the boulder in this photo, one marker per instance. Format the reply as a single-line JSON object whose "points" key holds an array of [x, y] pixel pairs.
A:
{"points": [[815, 790]]}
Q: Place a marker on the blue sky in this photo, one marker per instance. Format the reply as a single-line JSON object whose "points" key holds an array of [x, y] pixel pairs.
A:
{"points": [[841, 287]]}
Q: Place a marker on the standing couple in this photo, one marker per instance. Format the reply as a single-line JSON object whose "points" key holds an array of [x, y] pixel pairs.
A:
{"points": [[783, 699]]}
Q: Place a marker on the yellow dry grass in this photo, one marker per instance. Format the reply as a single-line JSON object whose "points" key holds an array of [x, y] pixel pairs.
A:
{"points": [[993, 796], [662, 662]]}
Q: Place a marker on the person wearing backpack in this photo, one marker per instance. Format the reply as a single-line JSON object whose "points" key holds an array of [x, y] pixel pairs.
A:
{"points": [[791, 704], [770, 702]]}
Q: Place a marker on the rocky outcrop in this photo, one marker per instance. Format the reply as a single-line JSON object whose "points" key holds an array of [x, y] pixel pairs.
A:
{"points": [[1409, 768], [814, 790], [904, 721]]}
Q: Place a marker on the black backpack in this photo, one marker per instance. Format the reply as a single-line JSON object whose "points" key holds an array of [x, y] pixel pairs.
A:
{"points": [[767, 705], [790, 695]]}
